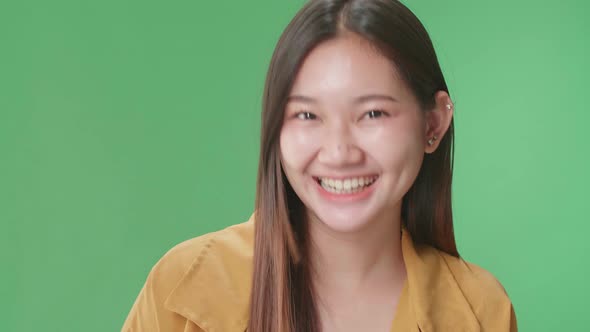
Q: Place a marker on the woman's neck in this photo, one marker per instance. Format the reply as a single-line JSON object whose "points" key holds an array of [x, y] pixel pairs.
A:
{"points": [[356, 262], [357, 276]]}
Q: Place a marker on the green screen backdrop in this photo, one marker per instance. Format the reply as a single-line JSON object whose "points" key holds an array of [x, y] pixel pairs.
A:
{"points": [[129, 126]]}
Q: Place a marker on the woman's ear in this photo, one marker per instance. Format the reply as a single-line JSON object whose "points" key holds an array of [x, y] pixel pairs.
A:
{"points": [[438, 120]]}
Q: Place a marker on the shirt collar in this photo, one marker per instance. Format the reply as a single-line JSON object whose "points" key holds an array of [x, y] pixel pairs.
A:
{"points": [[215, 291]]}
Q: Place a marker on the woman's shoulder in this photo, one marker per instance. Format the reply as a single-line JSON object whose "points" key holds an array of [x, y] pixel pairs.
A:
{"points": [[206, 272], [226, 251], [477, 283], [473, 280], [234, 240], [448, 292], [484, 293]]}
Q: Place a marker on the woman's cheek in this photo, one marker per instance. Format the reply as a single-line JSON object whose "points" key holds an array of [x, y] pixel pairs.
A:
{"points": [[299, 144], [394, 145]]}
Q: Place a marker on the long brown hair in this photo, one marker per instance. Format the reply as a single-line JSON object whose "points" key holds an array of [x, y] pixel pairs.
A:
{"points": [[282, 297]]}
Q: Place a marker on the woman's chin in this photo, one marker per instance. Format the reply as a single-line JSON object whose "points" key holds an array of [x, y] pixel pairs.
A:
{"points": [[342, 222]]}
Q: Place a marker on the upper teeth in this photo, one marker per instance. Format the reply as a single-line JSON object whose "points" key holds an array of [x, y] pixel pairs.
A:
{"points": [[347, 184]]}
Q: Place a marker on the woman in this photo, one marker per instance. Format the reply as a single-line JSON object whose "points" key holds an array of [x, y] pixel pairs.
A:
{"points": [[353, 226]]}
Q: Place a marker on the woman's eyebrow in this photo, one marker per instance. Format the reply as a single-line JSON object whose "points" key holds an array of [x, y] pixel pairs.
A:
{"points": [[357, 100], [301, 99], [370, 97]]}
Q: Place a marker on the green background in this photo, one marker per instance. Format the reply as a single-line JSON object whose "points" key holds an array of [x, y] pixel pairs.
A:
{"points": [[129, 126]]}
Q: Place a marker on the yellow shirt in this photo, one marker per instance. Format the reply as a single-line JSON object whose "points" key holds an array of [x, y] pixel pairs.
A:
{"points": [[203, 285]]}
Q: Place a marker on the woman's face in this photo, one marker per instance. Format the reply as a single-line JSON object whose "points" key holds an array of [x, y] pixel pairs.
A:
{"points": [[353, 136]]}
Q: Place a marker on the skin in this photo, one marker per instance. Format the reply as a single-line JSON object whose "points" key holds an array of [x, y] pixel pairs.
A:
{"points": [[350, 114]]}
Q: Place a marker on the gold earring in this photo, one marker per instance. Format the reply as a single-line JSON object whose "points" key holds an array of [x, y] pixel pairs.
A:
{"points": [[431, 141]]}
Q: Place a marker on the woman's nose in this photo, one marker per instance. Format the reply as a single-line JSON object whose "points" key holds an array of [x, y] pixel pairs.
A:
{"points": [[339, 148]]}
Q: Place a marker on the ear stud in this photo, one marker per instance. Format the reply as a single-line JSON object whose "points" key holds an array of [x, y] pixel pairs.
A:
{"points": [[431, 141]]}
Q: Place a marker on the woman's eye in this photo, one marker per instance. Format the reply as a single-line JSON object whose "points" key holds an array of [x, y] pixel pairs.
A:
{"points": [[374, 114], [306, 116]]}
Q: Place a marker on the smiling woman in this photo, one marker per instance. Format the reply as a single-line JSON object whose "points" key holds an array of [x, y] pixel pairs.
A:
{"points": [[353, 225], [360, 125]]}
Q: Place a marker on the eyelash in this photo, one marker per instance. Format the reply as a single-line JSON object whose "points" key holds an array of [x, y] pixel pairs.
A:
{"points": [[372, 114], [376, 114], [305, 116]]}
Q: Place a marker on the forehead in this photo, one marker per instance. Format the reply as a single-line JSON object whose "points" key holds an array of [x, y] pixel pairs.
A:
{"points": [[346, 65]]}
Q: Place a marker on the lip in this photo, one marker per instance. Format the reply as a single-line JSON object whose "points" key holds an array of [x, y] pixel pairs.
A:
{"points": [[345, 198]]}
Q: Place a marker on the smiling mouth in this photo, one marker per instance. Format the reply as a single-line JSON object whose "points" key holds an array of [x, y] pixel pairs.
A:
{"points": [[347, 185]]}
